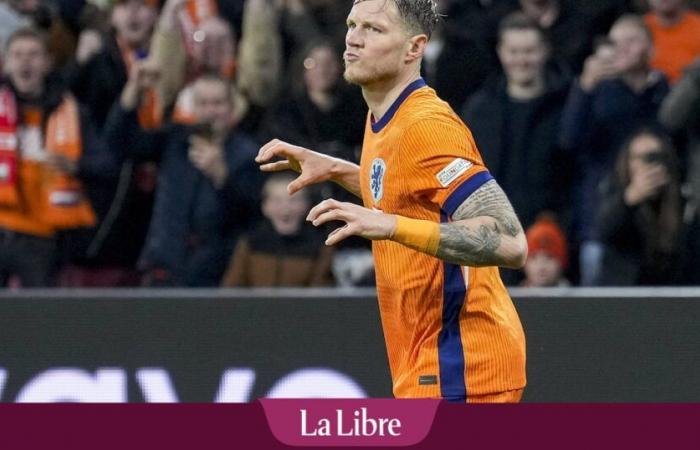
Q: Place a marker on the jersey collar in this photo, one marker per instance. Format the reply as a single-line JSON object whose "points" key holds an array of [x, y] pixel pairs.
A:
{"points": [[379, 125]]}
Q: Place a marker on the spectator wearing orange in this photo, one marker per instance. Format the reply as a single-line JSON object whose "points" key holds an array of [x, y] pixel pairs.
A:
{"points": [[676, 31], [205, 43], [547, 254], [48, 151]]}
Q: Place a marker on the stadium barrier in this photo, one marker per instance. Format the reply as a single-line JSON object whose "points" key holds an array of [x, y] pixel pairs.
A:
{"points": [[584, 345]]}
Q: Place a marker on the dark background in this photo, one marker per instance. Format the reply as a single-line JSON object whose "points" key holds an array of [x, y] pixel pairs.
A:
{"points": [[583, 346]]}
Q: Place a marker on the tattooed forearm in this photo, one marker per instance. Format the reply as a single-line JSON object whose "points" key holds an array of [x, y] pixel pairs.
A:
{"points": [[485, 231], [470, 246]]}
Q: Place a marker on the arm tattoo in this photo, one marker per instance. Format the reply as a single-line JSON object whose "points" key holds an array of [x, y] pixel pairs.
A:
{"points": [[478, 244], [490, 200]]}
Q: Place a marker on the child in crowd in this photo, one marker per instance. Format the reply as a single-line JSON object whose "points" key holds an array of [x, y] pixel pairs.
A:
{"points": [[284, 250], [547, 254]]}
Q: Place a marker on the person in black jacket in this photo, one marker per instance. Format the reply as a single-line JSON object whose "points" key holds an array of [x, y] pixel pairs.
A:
{"points": [[515, 121], [106, 255], [208, 186], [640, 220]]}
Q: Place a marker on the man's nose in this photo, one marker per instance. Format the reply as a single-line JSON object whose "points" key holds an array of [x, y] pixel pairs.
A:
{"points": [[352, 39]]}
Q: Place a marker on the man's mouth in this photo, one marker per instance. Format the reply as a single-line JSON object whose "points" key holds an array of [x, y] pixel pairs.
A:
{"points": [[350, 56]]}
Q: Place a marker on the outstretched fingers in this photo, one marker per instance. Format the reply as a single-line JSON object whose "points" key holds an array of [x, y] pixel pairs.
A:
{"points": [[276, 149], [262, 153], [276, 166], [340, 234], [332, 210], [322, 208]]}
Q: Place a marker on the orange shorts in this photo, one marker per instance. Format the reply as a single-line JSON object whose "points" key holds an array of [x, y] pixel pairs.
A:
{"points": [[499, 397]]}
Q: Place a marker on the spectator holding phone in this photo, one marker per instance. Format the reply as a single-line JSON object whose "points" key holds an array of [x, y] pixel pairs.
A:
{"points": [[640, 220], [208, 185], [616, 94]]}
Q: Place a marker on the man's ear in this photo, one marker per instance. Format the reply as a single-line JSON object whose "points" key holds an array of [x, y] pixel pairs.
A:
{"points": [[416, 47]]}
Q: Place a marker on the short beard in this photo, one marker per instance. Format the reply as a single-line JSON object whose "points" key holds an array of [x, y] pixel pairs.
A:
{"points": [[366, 80]]}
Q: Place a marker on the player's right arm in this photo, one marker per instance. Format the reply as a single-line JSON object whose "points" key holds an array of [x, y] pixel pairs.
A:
{"points": [[313, 167]]}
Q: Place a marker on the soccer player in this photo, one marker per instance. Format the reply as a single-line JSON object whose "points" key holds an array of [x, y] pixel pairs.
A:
{"points": [[439, 222]]}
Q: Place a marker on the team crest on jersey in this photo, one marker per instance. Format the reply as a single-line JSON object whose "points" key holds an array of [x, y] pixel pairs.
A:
{"points": [[376, 179]]}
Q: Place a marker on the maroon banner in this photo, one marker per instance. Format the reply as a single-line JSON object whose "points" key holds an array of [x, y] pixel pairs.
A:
{"points": [[244, 426], [355, 423]]}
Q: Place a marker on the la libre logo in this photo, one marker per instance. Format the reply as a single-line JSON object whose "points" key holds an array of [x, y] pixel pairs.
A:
{"points": [[357, 423]]}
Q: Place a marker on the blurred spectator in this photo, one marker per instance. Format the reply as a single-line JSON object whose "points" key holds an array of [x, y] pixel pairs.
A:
{"points": [[255, 68], [640, 216], [49, 148], [305, 21], [460, 54], [102, 62], [680, 114], [208, 185], [676, 31], [44, 15], [515, 121], [616, 94], [547, 257], [106, 255], [569, 29], [284, 250], [321, 113]]}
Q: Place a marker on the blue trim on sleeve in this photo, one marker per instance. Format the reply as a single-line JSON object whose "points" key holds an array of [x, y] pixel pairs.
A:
{"points": [[378, 126], [450, 349], [467, 188]]}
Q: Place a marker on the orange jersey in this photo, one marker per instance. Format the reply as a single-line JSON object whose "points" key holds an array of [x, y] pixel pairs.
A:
{"points": [[677, 46], [450, 331]]}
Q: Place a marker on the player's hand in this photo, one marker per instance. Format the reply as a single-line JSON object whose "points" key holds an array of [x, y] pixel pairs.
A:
{"points": [[359, 221], [313, 167]]}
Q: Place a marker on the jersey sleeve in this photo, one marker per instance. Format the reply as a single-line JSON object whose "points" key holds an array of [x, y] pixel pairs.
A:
{"points": [[441, 163]]}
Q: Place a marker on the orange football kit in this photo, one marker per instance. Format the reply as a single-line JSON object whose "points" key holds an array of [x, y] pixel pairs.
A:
{"points": [[451, 331]]}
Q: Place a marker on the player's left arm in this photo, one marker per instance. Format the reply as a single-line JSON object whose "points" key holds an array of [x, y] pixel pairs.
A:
{"points": [[484, 231]]}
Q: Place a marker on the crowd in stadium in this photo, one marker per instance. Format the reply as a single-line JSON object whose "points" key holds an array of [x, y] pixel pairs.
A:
{"points": [[128, 131]]}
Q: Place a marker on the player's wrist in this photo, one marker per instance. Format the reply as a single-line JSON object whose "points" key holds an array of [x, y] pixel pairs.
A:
{"points": [[340, 170], [421, 235]]}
